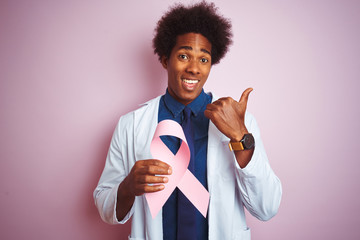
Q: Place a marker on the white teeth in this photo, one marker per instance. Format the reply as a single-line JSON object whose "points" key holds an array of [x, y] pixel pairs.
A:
{"points": [[190, 81]]}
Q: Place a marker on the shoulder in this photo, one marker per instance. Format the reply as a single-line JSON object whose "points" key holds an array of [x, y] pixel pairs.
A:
{"points": [[140, 116], [127, 123], [144, 107]]}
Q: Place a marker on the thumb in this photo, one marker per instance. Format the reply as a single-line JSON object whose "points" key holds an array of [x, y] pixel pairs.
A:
{"points": [[245, 95]]}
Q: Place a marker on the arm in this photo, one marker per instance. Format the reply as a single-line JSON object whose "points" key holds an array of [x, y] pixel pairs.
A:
{"points": [[260, 189], [123, 177], [228, 116]]}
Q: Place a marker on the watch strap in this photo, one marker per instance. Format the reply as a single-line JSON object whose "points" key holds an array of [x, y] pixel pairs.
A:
{"points": [[236, 146]]}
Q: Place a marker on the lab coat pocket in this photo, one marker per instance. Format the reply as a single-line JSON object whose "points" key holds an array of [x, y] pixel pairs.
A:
{"points": [[244, 234]]}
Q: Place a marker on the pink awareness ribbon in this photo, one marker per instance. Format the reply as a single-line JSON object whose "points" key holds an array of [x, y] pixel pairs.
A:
{"points": [[181, 177]]}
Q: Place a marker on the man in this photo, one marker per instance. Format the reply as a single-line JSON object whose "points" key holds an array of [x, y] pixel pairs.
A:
{"points": [[188, 41]]}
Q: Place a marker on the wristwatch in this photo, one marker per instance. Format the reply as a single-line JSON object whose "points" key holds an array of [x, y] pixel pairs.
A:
{"points": [[247, 142]]}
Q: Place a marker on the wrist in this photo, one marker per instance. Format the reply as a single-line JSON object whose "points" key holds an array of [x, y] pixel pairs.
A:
{"points": [[237, 136], [247, 142], [125, 190]]}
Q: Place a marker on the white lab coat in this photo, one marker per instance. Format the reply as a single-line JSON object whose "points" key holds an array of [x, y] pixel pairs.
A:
{"points": [[231, 188]]}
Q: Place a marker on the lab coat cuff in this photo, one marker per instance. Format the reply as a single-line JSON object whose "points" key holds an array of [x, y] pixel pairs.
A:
{"points": [[250, 169]]}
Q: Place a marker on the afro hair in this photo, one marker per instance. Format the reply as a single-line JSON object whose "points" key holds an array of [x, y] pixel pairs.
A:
{"points": [[199, 18]]}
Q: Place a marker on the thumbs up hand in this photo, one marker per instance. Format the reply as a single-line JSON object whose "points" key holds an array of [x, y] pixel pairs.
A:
{"points": [[228, 115]]}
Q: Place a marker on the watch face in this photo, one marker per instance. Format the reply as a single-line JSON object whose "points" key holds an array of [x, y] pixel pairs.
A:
{"points": [[249, 141]]}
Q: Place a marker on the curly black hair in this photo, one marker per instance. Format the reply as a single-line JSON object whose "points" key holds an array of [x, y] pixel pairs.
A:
{"points": [[200, 18]]}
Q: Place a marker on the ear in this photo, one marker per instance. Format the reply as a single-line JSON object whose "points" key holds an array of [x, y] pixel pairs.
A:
{"points": [[164, 61]]}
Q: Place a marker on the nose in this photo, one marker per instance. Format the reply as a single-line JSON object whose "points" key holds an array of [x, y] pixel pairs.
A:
{"points": [[193, 67]]}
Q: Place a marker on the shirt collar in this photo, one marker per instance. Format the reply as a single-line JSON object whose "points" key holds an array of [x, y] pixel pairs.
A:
{"points": [[176, 108]]}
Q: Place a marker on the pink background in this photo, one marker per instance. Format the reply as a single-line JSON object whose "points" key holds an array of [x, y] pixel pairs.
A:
{"points": [[70, 69]]}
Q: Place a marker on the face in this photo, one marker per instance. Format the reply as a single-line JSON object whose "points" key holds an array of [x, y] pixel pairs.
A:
{"points": [[188, 66]]}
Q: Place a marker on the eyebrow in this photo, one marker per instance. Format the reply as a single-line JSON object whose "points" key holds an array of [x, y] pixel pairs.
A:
{"points": [[190, 48]]}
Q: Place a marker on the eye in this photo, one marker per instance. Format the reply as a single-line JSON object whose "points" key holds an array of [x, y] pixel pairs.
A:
{"points": [[183, 56], [204, 60]]}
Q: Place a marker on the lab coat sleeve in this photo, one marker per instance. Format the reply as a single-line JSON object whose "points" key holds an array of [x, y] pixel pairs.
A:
{"points": [[260, 188], [116, 169]]}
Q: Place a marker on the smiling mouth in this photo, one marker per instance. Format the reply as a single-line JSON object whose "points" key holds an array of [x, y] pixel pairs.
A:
{"points": [[190, 81], [189, 84]]}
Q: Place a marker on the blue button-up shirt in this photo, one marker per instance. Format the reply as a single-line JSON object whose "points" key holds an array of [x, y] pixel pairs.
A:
{"points": [[169, 108]]}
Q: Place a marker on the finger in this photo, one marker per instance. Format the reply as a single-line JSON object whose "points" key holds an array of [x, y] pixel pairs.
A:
{"points": [[217, 101], [211, 107], [208, 114], [146, 188], [153, 188], [154, 162], [154, 170], [245, 95], [154, 166], [221, 101], [146, 179]]}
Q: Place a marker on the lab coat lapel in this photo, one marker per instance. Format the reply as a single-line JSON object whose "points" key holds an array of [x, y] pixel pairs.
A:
{"points": [[145, 122]]}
